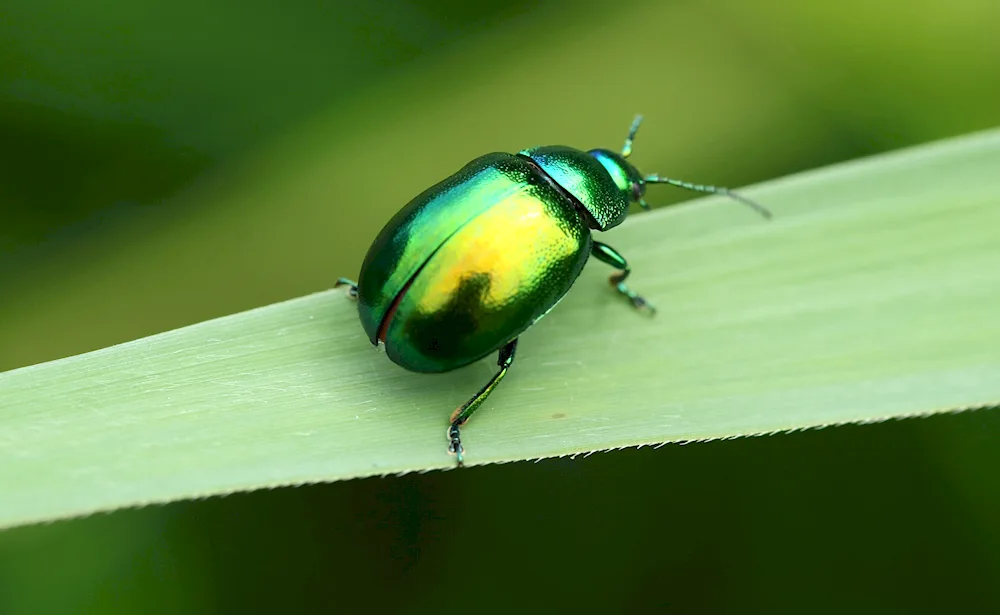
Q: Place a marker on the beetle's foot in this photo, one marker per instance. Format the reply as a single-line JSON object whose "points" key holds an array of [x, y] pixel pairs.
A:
{"points": [[642, 305], [637, 302], [352, 287], [455, 444]]}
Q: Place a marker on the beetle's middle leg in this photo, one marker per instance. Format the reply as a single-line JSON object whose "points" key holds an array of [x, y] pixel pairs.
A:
{"points": [[607, 254], [352, 287], [462, 414]]}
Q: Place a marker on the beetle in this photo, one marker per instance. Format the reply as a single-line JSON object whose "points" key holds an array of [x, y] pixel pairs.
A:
{"points": [[472, 262]]}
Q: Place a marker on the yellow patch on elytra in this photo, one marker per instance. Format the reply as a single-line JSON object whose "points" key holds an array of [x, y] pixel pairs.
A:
{"points": [[508, 244]]}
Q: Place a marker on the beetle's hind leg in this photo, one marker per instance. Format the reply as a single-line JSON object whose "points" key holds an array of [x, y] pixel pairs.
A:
{"points": [[352, 287], [607, 254], [462, 414]]}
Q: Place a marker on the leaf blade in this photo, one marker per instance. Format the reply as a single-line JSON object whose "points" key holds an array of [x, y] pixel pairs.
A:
{"points": [[869, 297]]}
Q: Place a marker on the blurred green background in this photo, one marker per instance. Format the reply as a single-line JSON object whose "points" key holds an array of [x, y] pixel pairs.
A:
{"points": [[162, 163]]}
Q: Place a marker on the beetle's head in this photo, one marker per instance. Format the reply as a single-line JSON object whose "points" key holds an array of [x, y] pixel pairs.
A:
{"points": [[628, 179], [632, 184], [604, 183]]}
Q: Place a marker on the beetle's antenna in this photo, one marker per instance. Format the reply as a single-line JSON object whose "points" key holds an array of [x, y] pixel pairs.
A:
{"points": [[656, 179], [627, 148]]}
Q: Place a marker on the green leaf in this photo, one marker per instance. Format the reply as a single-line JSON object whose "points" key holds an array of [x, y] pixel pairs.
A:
{"points": [[873, 294]]}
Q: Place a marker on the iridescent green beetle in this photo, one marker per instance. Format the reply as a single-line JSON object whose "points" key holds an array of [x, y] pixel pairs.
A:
{"points": [[464, 268]]}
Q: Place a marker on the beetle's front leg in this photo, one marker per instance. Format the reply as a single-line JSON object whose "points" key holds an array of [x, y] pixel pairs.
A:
{"points": [[462, 414], [607, 254], [352, 287]]}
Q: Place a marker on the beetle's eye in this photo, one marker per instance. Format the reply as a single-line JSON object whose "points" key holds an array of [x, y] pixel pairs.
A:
{"points": [[637, 191]]}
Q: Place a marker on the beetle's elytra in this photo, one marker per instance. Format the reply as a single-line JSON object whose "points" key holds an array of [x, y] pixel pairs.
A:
{"points": [[465, 267]]}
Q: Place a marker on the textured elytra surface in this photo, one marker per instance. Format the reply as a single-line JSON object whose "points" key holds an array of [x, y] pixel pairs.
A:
{"points": [[419, 228], [490, 281]]}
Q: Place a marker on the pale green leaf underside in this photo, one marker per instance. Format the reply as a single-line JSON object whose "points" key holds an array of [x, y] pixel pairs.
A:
{"points": [[874, 293]]}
